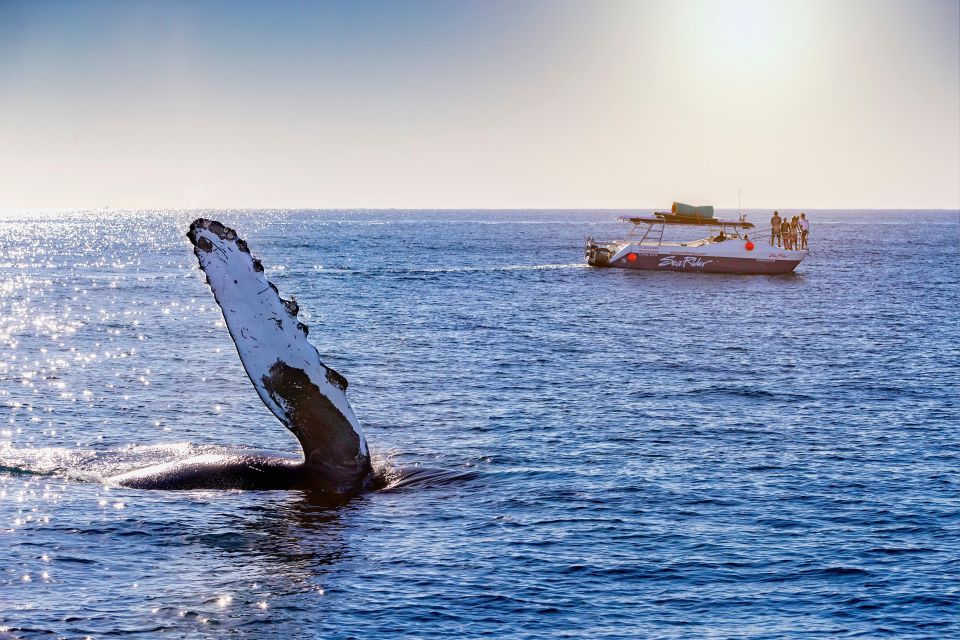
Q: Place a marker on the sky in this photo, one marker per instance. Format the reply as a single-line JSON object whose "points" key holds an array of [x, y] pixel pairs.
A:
{"points": [[480, 104]]}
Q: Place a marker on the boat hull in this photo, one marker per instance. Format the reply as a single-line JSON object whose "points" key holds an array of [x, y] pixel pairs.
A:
{"points": [[726, 257], [707, 264]]}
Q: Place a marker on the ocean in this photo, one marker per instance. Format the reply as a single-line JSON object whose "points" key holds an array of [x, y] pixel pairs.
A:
{"points": [[644, 455]]}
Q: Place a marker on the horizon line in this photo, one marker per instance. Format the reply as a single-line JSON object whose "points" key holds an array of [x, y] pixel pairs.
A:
{"points": [[21, 210]]}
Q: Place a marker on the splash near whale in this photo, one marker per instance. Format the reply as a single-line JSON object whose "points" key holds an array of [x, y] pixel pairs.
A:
{"points": [[308, 397]]}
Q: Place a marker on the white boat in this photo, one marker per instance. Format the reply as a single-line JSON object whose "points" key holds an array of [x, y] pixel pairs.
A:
{"points": [[728, 248]]}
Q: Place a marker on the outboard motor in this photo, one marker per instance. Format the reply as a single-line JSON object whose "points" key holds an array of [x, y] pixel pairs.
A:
{"points": [[597, 256]]}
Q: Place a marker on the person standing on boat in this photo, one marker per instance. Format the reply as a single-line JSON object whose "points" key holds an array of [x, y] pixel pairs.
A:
{"points": [[775, 228], [794, 232], [804, 230]]}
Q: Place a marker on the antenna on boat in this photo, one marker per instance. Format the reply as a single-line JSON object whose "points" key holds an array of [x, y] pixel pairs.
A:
{"points": [[739, 214]]}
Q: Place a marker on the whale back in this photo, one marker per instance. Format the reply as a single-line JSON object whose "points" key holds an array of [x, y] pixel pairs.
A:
{"points": [[308, 397]]}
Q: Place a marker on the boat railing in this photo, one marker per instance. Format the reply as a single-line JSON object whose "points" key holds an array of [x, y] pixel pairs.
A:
{"points": [[652, 234]]}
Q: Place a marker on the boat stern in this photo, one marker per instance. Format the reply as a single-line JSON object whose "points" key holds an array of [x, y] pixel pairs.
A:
{"points": [[598, 254]]}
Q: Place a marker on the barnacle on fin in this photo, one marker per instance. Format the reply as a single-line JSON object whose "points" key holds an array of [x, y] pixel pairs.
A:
{"points": [[222, 232], [336, 379]]}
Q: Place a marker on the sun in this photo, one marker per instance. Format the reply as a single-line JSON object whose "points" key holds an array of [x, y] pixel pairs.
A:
{"points": [[738, 37]]}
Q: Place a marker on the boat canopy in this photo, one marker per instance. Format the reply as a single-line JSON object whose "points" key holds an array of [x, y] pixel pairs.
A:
{"points": [[669, 218]]}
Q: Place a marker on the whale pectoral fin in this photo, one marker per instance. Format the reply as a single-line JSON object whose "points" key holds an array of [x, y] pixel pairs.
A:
{"points": [[308, 397]]}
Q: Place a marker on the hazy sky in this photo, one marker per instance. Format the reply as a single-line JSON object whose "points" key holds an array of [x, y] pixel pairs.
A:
{"points": [[480, 104]]}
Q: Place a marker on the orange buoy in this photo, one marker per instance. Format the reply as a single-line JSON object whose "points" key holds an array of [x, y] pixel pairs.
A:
{"points": [[631, 257], [749, 245]]}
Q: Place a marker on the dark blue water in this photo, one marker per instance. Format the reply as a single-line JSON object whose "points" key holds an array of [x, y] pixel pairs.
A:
{"points": [[655, 454]]}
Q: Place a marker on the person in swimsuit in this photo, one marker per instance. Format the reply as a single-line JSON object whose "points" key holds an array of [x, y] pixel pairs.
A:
{"points": [[794, 229], [775, 228], [804, 230]]}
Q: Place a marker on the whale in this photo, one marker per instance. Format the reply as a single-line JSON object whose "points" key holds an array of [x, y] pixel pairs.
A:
{"points": [[307, 397]]}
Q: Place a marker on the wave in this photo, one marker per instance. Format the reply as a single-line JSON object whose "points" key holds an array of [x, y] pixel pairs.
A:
{"points": [[746, 392], [18, 471], [92, 465]]}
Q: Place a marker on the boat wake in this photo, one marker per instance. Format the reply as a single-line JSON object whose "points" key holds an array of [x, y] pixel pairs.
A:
{"points": [[515, 267], [397, 271]]}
